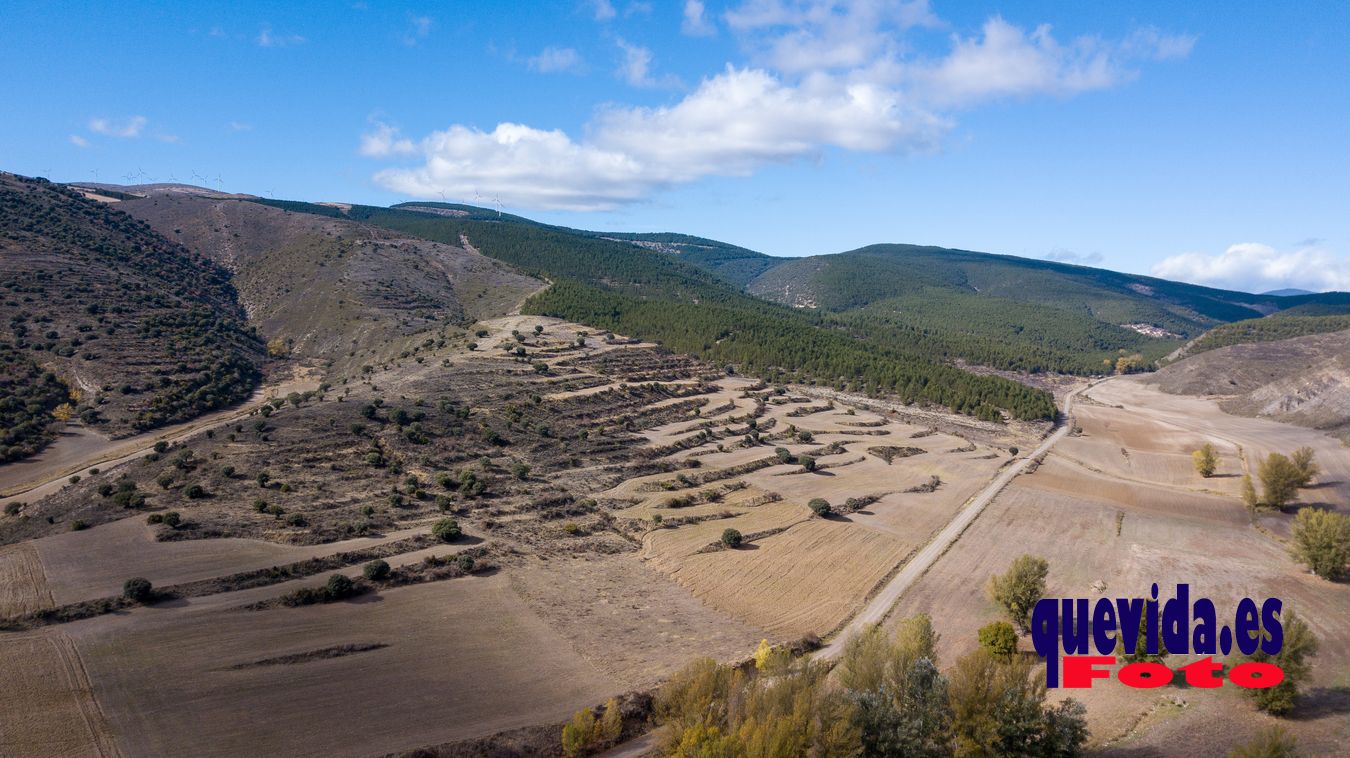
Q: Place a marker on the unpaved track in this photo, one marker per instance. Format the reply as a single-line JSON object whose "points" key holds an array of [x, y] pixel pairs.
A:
{"points": [[883, 601], [77, 452]]}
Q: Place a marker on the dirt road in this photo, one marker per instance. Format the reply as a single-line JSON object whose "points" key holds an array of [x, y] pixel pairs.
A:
{"points": [[79, 449], [883, 601]]}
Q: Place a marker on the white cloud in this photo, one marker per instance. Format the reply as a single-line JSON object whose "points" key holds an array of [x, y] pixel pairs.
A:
{"points": [[831, 74], [238, 126], [732, 124], [695, 23], [603, 10], [1254, 267], [385, 141], [125, 128], [268, 38], [172, 139], [556, 59], [636, 67], [78, 141]]}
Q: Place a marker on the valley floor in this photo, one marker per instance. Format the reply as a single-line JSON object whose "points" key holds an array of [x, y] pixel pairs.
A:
{"points": [[569, 617]]}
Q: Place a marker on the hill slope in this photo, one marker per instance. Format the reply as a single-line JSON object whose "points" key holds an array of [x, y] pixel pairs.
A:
{"points": [[656, 295], [1304, 380], [137, 331], [330, 287]]}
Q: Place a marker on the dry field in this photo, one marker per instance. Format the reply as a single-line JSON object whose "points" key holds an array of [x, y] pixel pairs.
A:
{"points": [[23, 586], [46, 704], [1174, 527], [798, 574]]}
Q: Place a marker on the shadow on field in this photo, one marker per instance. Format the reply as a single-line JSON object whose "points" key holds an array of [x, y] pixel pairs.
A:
{"points": [[1322, 701]]}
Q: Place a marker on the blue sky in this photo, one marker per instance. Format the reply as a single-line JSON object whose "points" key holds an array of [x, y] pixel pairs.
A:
{"points": [[1199, 141]]}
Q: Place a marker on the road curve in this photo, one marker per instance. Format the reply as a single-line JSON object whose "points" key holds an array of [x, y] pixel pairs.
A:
{"points": [[880, 605]]}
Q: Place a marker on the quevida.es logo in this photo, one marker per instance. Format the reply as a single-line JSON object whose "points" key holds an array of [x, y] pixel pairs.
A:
{"points": [[1178, 626]]}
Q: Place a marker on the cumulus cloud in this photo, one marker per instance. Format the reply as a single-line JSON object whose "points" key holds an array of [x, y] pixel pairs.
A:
{"points": [[555, 60], [695, 23], [825, 74], [78, 141], [1254, 267], [126, 128], [268, 38], [383, 141]]}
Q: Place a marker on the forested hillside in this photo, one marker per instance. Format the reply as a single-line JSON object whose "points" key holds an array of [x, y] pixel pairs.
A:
{"points": [[656, 295], [138, 331], [1280, 326]]}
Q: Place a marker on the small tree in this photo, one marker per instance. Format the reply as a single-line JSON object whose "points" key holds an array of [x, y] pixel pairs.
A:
{"points": [[446, 530], [1305, 460], [819, 506], [1206, 459], [1322, 540], [808, 462], [1140, 654], [784, 455], [1299, 645], [578, 733], [731, 538], [172, 519], [138, 589], [1000, 639], [376, 570], [1280, 479], [1019, 589], [1249, 496], [339, 587], [195, 492]]}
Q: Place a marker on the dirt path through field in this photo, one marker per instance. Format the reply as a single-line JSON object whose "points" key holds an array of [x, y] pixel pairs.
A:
{"points": [[80, 449], [883, 601]]}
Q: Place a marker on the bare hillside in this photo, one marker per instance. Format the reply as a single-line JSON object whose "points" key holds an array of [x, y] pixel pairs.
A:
{"points": [[331, 287], [1304, 381]]}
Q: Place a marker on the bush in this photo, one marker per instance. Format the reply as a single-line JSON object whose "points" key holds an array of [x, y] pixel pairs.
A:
{"points": [[295, 519], [172, 519], [1205, 460], [819, 506], [1000, 639], [260, 505], [1280, 478], [12, 509], [1322, 541], [195, 492], [1019, 589], [155, 518], [138, 589], [339, 587], [784, 455], [808, 462], [1299, 645], [376, 570], [164, 480], [571, 528], [732, 538], [78, 525], [1270, 742], [446, 530], [161, 447], [1305, 461]]}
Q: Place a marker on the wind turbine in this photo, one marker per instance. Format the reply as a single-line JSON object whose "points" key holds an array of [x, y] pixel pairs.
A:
{"points": [[498, 198]]}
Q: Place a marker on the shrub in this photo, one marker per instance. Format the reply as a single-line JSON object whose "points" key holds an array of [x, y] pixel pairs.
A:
{"points": [[571, 528], [520, 471], [1270, 742], [161, 446], [1205, 460], [339, 587], [1000, 639], [376, 570], [78, 525], [138, 589], [808, 462], [1322, 541], [784, 455], [195, 492], [819, 506], [1299, 645], [446, 530], [227, 472], [105, 490], [295, 519], [805, 436], [155, 518], [1019, 589], [1013, 450], [164, 480], [1280, 479], [1305, 461], [260, 505], [172, 519], [12, 509], [732, 538]]}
